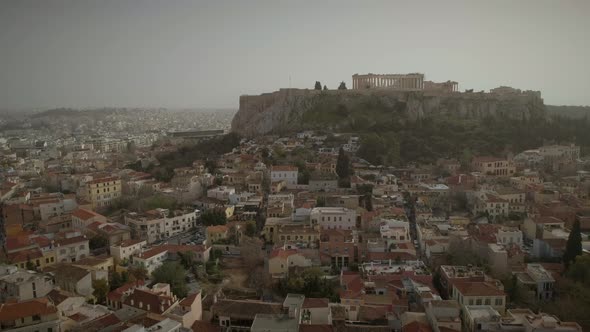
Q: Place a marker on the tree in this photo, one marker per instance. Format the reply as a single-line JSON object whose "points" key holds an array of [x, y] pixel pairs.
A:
{"points": [[342, 86], [250, 229], [101, 289], [174, 274], [213, 217], [579, 271], [251, 251], [573, 248], [116, 280], [30, 265], [97, 242], [187, 259], [343, 164], [138, 272], [318, 85], [325, 88]]}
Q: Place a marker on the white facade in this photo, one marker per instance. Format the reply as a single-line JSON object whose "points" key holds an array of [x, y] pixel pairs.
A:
{"points": [[334, 218], [284, 173], [221, 193]]}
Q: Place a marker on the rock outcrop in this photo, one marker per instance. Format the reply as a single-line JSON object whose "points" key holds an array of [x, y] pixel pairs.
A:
{"points": [[289, 110]]}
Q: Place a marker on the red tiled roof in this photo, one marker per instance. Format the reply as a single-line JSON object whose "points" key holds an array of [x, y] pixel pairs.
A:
{"points": [[315, 328], [14, 311], [189, 300], [72, 240], [416, 326], [101, 180], [468, 288], [146, 297], [203, 326], [24, 255], [85, 214], [284, 168], [116, 294], [282, 253], [130, 242]]}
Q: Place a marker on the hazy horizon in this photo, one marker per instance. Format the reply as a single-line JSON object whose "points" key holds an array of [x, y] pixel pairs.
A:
{"points": [[195, 54]]}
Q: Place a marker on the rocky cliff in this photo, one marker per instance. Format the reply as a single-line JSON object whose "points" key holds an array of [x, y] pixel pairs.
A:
{"points": [[289, 110]]}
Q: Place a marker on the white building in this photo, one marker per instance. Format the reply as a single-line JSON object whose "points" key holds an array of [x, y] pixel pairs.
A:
{"points": [[22, 285], [126, 249], [221, 193], [288, 174], [159, 224], [334, 217]]}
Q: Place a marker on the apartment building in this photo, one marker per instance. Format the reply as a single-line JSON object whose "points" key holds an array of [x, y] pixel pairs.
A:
{"points": [[101, 192], [334, 218], [159, 224], [494, 166]]}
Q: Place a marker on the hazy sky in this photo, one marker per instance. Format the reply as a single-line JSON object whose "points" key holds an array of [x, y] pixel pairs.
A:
{"points": [[86, 53]]}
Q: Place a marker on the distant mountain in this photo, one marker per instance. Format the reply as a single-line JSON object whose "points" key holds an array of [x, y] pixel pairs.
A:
{"points": [[574, 112]]}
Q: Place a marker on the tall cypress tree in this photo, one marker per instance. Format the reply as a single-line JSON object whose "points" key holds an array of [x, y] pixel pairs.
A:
{"points": [[342, 164], [573, 247]]}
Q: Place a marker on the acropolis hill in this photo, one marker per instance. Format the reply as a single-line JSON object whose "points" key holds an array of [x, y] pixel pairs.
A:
{"points": [[372, 97]]}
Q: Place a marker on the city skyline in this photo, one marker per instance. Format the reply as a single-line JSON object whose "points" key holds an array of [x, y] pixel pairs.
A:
{"points": [[192, 54]]}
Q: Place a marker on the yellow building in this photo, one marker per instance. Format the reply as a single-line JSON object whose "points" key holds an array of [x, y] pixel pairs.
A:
{"points": [[494, 166], [101, 192], [216, 233]]}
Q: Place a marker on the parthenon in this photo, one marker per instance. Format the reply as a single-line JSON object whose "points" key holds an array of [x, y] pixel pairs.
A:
{"points": [[402, 82], [414, 81]]}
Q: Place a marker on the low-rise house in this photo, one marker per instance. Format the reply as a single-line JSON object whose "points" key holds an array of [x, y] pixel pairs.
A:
{"points": [[480, 293], [188, 311], [280, 260], [338, 247], [537, 281], [240, 314], [123, 251], [32, 315], [72, 279], [21, 285], [71, 249], [216, 233], [152, 259], [81, 218]]}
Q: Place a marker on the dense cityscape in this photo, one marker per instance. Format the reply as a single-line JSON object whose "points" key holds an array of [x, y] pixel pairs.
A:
{"points": [[382, 203]]}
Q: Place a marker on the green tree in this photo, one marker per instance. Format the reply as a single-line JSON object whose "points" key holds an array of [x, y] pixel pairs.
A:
{"points": [[213, 217], [342, 86], [138, 272], [101, 289], [174, 274], [187, 259], [97, 242], [250, 229], [325, 88], [318, 85], [116, 281], [343, 164], [573, 247], [579, 270]]}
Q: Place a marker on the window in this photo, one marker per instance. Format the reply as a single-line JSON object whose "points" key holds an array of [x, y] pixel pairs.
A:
{"points": [[36, 317], [488, 301], [478, 302], [499, 301]]}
